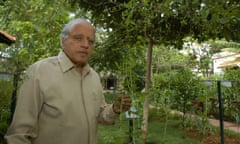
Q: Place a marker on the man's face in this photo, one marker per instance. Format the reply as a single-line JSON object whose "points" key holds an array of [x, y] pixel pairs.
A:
{"points": [[79, 44]]}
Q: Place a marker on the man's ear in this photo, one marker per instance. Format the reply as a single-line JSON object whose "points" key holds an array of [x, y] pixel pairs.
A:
{"points": [[63, 41]]}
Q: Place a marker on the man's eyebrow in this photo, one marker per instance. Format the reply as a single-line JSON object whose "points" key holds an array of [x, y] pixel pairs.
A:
{"points": [[77, 35]]}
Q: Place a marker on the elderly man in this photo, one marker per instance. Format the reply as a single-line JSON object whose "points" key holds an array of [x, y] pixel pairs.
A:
{"points": [[61, 99]]}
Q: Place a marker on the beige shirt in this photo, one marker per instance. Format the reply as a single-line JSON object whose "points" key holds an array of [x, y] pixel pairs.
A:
{"points": [[58, 105]]}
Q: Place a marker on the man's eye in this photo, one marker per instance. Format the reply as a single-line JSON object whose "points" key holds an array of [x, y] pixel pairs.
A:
{"points": [[91, 41], [78, 38]]}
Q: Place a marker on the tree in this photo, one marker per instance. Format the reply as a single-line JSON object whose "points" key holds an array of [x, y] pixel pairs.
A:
{"points": [[127, 22], [36, 25], [165, 22]]}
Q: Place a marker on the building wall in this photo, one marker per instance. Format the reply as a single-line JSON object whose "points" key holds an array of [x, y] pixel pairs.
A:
{"points": [[221, 58]]}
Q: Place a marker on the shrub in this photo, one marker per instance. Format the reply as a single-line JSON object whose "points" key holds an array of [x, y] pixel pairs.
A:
{"points": [[5, 100]]}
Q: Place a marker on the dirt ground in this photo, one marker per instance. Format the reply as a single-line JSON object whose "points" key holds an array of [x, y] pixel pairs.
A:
{"points": [[217, 140], [212, 139]]}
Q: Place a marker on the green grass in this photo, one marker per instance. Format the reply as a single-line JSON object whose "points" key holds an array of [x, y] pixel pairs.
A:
{"points": [[171, 132], [114, 134], [159, 132]]}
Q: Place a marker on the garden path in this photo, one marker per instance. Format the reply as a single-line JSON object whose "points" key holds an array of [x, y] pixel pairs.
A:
{"points": [[215, 122], [227, 125]]}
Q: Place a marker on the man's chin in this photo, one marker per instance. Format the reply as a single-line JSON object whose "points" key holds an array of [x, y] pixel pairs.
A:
{"points": [[80, 63]]}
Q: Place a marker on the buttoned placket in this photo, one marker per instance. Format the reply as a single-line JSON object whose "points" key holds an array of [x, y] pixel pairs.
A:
{"points": [[84, 105]]}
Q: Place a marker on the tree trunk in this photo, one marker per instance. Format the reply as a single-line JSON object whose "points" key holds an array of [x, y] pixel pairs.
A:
{"points": [[147, 86]]}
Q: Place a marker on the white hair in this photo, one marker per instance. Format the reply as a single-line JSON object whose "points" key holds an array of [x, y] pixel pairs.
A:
{"points": [[69, 26]]}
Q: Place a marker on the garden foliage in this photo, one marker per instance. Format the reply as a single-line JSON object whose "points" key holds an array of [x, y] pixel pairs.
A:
{"points": [[6, 89]]}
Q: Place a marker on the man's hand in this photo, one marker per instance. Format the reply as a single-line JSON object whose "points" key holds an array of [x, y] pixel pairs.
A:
{"points": [[122, 103]]}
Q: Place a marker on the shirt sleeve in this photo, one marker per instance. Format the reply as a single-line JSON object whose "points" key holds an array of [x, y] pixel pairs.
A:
{"points": [[24, 124], [107, 115]]}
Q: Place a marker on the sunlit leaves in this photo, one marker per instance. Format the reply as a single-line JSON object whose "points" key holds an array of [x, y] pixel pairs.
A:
{"points": [[36, 24]]}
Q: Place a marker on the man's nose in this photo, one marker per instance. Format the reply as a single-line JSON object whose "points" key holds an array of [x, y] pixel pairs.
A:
{"points": [[85, 43]]}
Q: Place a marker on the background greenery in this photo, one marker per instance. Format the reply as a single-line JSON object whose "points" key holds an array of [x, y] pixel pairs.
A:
{"points": [[5, 99], [139, 42]]}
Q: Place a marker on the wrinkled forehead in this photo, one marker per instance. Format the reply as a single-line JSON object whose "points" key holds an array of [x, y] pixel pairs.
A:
{"points": [[83, 25], [82, 29]]}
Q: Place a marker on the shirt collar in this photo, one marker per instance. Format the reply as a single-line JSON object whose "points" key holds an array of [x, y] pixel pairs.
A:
{"points": [[66, 64]]}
